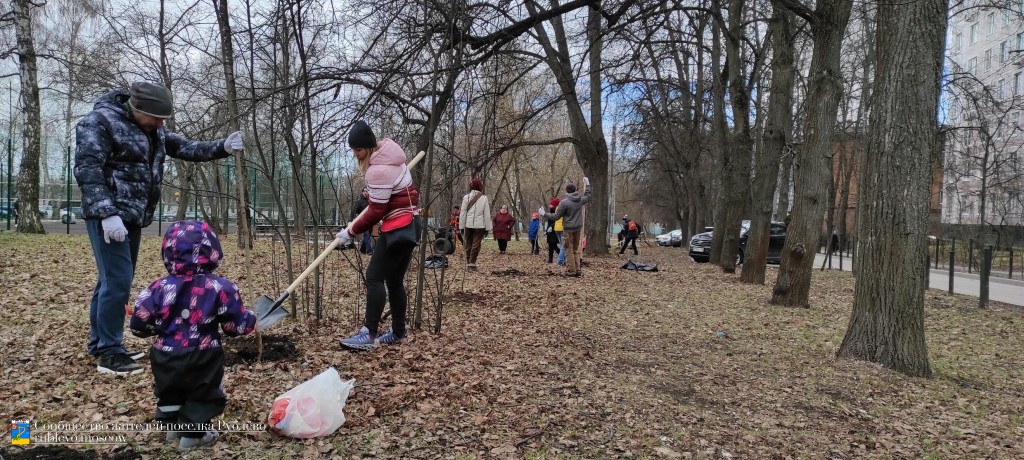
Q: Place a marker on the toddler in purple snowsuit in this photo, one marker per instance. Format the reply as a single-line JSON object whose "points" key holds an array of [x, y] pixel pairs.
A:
{"points": [[184, 311]]}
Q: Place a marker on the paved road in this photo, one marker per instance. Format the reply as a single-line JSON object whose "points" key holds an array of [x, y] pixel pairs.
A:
{"points": [[1010, 291], [78, 228]]}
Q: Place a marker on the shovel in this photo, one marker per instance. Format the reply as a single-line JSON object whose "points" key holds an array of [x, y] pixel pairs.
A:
{"points": [[270, 311]]}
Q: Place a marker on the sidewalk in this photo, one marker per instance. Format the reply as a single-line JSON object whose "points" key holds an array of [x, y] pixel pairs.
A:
{"points": [[1009, 291]]}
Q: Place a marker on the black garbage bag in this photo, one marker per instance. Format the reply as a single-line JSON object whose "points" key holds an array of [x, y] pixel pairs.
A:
{"points": [[435, 262], [630, 265]]}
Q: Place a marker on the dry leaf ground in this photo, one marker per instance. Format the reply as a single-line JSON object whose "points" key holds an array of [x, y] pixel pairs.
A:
{"points": [[531, 364]]}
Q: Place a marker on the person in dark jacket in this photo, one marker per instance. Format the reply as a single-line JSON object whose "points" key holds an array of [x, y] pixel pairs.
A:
{"points": [[366, 245], [183, 311], [554, 238], [631, 231], [119, 165]]}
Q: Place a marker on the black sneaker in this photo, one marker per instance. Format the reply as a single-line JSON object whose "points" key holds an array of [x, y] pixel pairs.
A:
{"points": [[135, 355], [118, 364]]}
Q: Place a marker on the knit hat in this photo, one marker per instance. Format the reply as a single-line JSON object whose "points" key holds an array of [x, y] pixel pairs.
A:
{"points": [[150, 99], [476, 184], [554, 202], [625, 217], [361, 136], [536, 216], [570, 188]]}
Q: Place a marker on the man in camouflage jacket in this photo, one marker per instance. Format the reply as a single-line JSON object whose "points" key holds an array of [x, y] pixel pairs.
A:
{"points": [[119, 165]]}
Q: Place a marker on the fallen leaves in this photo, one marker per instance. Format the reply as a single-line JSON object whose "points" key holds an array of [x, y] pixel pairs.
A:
{"points": [[530, 363]]}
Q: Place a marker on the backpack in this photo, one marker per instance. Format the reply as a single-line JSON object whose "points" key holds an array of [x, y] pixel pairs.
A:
{"points": [[632, 226]]}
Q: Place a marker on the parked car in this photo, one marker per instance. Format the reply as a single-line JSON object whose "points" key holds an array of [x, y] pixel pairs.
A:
{"points": [[700, 244], [5, 211], [673, 238], [76, 213], [45, 211]]}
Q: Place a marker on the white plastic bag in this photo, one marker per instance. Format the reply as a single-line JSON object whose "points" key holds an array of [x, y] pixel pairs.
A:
{"points": [[314, 408]]}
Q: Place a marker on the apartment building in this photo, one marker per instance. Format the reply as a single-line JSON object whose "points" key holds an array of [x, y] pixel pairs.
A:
{"points": [[983, 170]]}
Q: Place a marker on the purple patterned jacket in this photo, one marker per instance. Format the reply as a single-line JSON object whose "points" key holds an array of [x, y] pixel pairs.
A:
{"points": [[185, 308]]}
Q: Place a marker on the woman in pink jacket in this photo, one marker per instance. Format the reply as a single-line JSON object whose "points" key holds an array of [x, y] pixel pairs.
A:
{"points": [[393, 199]]}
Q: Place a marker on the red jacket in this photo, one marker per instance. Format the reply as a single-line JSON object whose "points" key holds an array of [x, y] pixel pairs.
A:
{"points": [[503, 224]]}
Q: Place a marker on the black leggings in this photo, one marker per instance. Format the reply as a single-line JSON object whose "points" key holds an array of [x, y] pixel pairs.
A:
{"points": [[552, 246], [387, 267], [502, 245]]}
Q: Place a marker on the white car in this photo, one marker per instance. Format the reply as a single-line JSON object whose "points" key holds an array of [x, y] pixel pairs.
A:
{"points": [[673, 238], [76, 213]]}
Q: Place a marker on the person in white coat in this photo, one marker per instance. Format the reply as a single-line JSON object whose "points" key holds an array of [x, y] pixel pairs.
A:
{"points": [[475, 217]]}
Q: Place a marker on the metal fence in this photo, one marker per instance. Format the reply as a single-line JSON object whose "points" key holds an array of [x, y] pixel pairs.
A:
{"points": [[968, 256]]}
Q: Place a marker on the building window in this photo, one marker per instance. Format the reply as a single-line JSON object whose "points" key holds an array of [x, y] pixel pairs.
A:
{"points": [[999, 89], [1017, 82], [1004, 52], [1020, 41], [975, 33], [988, 60], [1006, 18], [991, 23], [972, 65], [958, 42]]}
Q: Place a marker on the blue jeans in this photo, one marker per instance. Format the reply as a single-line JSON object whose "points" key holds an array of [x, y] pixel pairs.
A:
{"points": [[115, 262], [561, 250]]}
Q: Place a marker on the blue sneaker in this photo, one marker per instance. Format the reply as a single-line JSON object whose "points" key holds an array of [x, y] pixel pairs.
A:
{"points": [[363, 340], [390, 338]]}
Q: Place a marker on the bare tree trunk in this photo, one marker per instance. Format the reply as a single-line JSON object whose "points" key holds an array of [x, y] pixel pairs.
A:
{"points": [[590, 146], [721, 136], [828, 23], [227, 52], [785, 182], [28, 175], [887, 323], [736, 164], [780, 116]]}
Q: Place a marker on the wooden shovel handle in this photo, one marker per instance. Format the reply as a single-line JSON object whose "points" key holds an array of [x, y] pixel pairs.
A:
{"points": [[334, 244]]}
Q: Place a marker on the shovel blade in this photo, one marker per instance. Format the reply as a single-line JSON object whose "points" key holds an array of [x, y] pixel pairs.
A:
{"points": [[270, 311]]}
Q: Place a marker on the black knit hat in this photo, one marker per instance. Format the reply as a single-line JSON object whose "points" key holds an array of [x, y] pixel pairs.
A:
{"points": [[150, 99], [361, 136]]}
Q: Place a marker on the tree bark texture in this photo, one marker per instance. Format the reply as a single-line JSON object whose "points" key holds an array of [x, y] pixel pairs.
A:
{"points": [[813, 171], [887, 323], [28, 175], [721, 137], [766, 172], [227, 53], [740, 146]]}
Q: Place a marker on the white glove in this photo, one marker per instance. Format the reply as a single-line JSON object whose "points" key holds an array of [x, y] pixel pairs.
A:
{"points": [[113, 229], [344, 236], [233, 143], [586, 181], [540, 210]]}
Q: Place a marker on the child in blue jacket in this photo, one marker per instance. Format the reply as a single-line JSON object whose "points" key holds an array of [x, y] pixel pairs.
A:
{"points": [[184, 310], [532, 234]]}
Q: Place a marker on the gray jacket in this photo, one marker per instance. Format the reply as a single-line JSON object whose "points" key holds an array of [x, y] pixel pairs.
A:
{"points": [[119, 166], [571, 209]]}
